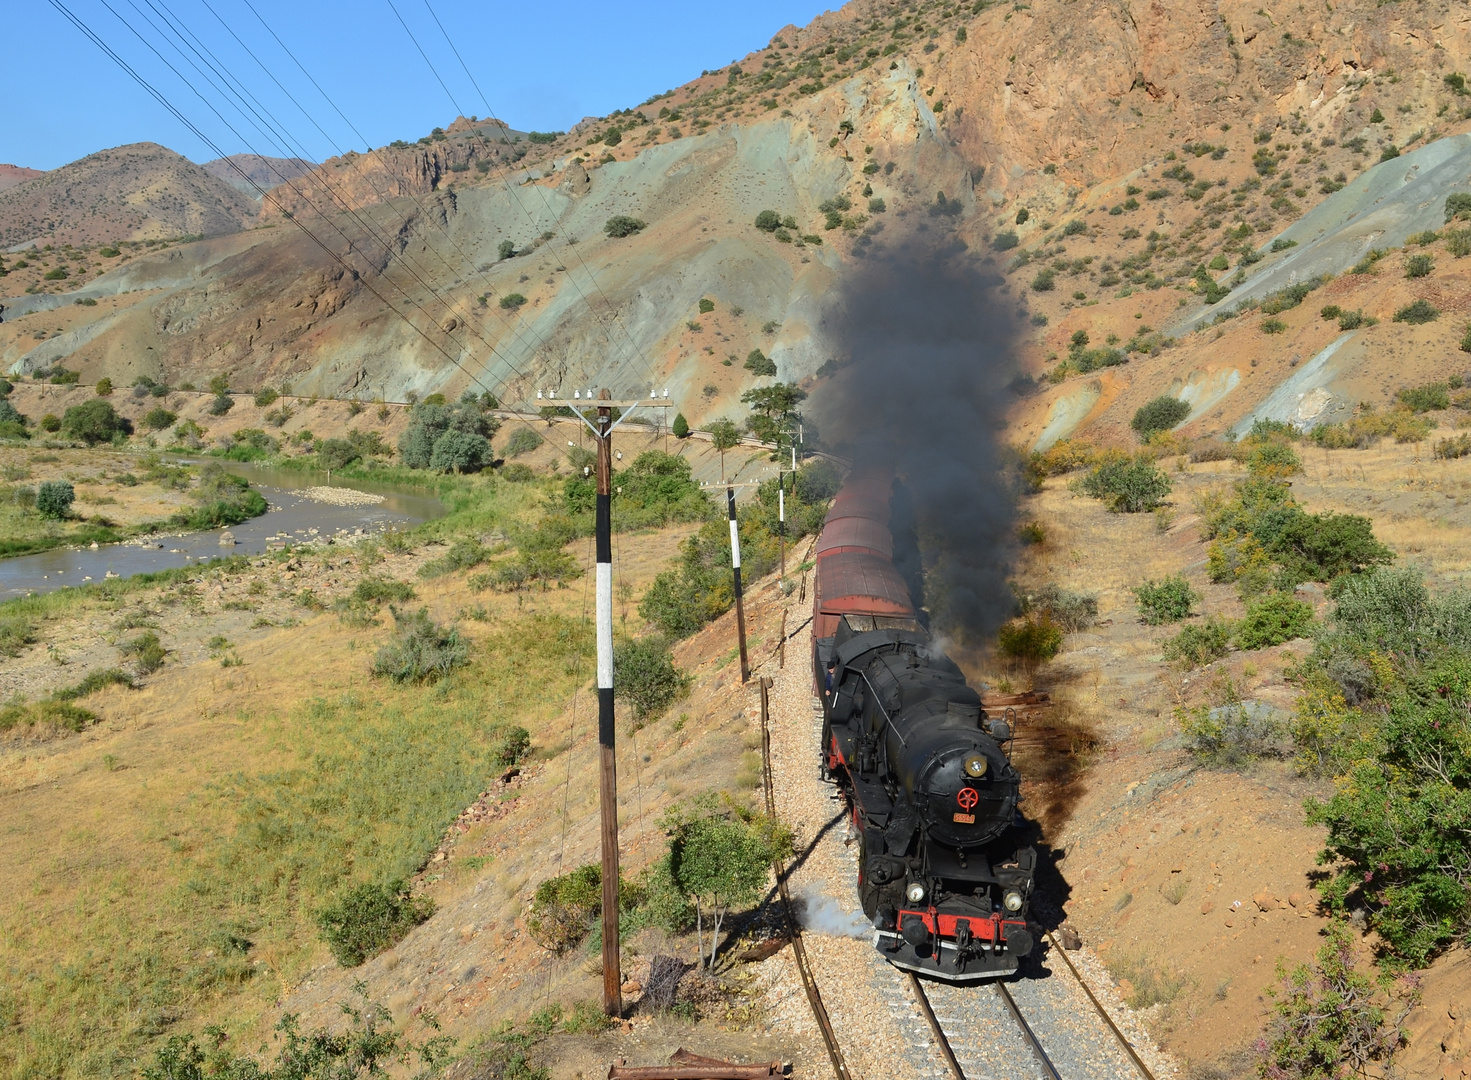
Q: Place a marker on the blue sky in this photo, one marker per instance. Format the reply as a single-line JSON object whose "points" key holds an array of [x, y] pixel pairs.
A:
{"points": [[542, 66]]}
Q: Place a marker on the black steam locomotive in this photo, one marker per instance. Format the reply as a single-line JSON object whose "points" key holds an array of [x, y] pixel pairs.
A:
{"points": [[944, 872]]}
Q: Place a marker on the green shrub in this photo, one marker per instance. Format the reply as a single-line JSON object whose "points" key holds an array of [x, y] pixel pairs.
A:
{"points": [[1331, 311], [522, 441], [221, 404], [1274, 460], [1230, 736], [1454, 448], [510, 302], [768, 221], [1161, 414], [92, 682], [1272, 620], [1396, 822], [621, 225], [1418, 266], [54, 499], [1417, 312], [1273, 326], [645, 676], [374, 590], [1327, 1019], [1005, 241], [460, 452], [1044, 281], [1165, 601], [1030, 641], [94, 422], [759, 364], [1198, 644], [45, 714], [563, 908], [680, 427], [1127, 485], [266, 397], [421, 650], [159, 418], [369, 918], [1457, 205], [146, 650], [1431, 397]]}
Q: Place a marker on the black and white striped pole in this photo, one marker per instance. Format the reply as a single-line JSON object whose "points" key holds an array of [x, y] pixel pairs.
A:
{"points": [[735, 567], [602, 429]]}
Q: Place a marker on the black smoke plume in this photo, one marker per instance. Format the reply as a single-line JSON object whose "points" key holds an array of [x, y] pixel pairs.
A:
{"points": [[925, 352]]}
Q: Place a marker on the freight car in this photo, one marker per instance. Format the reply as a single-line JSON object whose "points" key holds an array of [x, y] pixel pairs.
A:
{"points": [[944, 871]]}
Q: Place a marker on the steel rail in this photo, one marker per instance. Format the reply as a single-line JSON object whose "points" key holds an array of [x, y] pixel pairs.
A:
{"points": [[941, 1039], [794, 931], [1128, 1046]]}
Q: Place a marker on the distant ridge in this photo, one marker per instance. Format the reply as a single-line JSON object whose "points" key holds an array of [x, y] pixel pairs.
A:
{"points": [[10, 175], [136, 192], [264, 171]]}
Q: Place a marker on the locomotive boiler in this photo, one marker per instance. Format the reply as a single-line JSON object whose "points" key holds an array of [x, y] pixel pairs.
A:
{"points": [[944, 872]]}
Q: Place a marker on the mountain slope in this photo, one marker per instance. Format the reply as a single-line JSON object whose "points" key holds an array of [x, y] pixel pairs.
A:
{"points": [[10, 175], [260, 171], [134, 192]]}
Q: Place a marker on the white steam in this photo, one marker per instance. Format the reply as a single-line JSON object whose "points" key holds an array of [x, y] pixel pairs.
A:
{"points": [[821, 914]]}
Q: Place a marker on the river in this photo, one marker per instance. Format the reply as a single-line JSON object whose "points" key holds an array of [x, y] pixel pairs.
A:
{"points": [[293, 517]]}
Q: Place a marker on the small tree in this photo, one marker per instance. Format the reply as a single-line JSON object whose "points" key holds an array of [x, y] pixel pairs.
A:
{"points": [[336, 454], [774, 414], [645, 676], [159, 418], [723, 436], [460, 452], [506, 249], [681, 426], [54, 499], [93, 422], [720, 857], [104, 386], [1127, 485], [759, 363], [768, 221], [1166, 601]]}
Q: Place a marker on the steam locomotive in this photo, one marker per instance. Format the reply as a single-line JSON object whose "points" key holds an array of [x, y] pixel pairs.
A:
{"points": [[944, 872]]}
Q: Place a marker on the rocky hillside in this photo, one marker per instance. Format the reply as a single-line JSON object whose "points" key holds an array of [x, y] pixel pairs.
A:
{"points": [[10, 175], [1103, 193], [135, 192], [260, 171]]}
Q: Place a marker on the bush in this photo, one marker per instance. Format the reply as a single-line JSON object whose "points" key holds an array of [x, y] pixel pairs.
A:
{"points": [[428, 423], [1273, 326], [421, 650], [370, 918], [221, 404], [93, 422], [1165, 601], [1396, 822], [759, 364], [266, 397], [1454, 448], [1273, 620], [1127, 485], [1005, 241], [1197, 644], [1327, 1020], [159, 418], [104, 386], [510, 302], [147, 652], [522, 441], [1418, 266], [621, 225], [1457, 205], [372, 590], [1431, 397], [1420, 311], [645, 676], [54, 499], [1044, 281], [1274, 460], [460, 452], [768, 221], [1070, 611], [1161, 414], [563, 908], [681, 427], [1230, 736], [1030, 641]]}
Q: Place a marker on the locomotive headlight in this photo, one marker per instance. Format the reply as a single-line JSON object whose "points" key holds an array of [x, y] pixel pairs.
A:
{"points": [[1012, 900], [975, 765], [915, 893]]}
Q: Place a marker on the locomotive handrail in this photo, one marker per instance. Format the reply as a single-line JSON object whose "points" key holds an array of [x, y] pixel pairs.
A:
{"points": [[902, 741]]}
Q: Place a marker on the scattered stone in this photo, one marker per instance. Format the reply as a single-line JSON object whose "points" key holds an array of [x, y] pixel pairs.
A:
{"points": [[1264, 900], [1207, 907], [1295, 899], [1069, 938]]}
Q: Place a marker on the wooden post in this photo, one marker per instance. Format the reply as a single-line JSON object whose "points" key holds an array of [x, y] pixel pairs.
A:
{"points": [[607, 764], [781, 646], [735, 566]]}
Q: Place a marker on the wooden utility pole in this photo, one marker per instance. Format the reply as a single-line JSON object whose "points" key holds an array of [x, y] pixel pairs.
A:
{"points": [[602, 430]]}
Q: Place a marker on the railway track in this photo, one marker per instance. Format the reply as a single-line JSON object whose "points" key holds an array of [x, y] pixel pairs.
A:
{"points": [[982, 1033]]}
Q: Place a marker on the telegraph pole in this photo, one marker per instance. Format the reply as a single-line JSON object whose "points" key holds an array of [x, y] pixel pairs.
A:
{"points": [[735, 569], [602, 429]]}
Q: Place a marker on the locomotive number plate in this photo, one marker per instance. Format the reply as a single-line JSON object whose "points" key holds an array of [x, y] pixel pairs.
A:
{"points": [[966, 819]]}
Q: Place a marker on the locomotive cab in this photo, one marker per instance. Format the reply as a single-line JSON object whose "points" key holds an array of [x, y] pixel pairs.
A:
{"points": [[935, 799]]}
